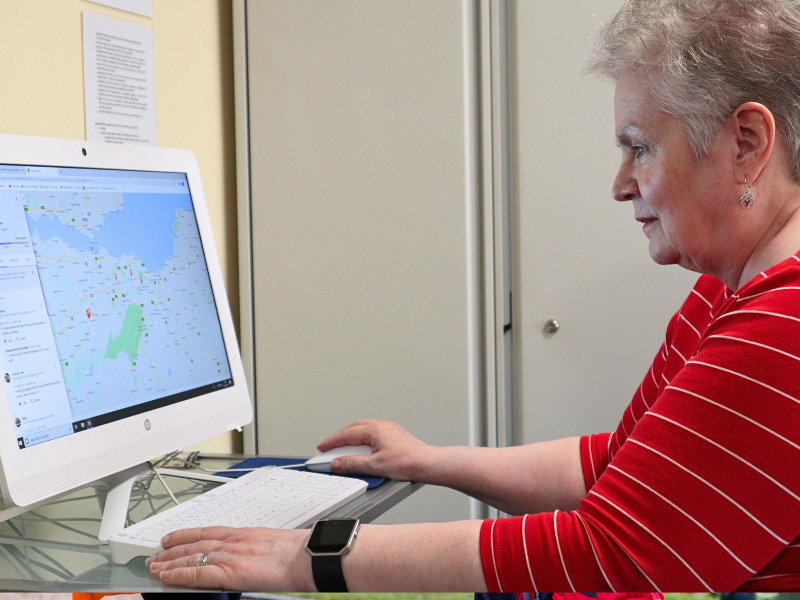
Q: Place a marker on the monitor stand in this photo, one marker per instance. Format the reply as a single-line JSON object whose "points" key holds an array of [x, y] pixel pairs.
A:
{"points": [[120, 485], [115, 511]]}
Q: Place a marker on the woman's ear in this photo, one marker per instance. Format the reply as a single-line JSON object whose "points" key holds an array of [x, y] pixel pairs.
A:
{"points": [[754, 130]]}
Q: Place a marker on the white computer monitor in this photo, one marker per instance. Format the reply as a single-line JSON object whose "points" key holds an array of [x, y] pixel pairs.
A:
{"points": [[116, 339]]}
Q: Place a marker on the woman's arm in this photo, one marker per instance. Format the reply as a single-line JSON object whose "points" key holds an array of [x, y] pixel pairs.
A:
{"points": [[521, 479], [418, 557]]}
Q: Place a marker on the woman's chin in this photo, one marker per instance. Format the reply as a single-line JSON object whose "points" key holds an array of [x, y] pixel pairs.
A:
{"points": [[662, 255]]}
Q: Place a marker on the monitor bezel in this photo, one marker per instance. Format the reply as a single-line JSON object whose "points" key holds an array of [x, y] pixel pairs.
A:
{"points": [[45, 470]]}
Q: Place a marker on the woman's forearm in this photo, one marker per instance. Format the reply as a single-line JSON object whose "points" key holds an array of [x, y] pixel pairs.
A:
{"points": [[384, 558], [522, 479], [427, 557]]}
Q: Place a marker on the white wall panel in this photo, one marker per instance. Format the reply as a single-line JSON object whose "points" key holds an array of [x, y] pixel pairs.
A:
{"points": [[360, 209]]}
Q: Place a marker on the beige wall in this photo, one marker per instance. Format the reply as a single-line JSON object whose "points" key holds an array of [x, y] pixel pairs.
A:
{"points": [[41, 79]]}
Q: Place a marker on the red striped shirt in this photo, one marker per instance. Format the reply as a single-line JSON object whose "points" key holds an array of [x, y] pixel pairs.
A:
{"points": [[698, 489]]}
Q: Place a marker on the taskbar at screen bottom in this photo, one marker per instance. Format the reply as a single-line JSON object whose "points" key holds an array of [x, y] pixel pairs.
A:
{"points": [[40, 437]]}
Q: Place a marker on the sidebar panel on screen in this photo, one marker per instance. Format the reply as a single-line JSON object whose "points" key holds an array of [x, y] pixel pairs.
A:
{"points": [[29, 363]]}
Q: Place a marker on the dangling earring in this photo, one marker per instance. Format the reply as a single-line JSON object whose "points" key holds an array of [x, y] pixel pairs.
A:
{"points": [[747, 198]]}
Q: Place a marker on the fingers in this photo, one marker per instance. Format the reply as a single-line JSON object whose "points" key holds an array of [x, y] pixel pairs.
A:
{"points": [[353, 465], [190, 536], [209, 576], [185, 571], [356, 434], [195, 549], [167, 563]]}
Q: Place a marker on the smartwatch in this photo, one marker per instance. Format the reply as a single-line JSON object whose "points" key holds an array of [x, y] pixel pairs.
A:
{"points": [[330, 540]]}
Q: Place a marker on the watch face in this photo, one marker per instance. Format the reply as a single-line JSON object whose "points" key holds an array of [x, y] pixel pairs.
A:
{"points": [[331, 536]]}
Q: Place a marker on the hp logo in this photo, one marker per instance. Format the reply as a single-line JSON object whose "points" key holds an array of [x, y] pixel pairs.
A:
{"points": [[147, 424]]}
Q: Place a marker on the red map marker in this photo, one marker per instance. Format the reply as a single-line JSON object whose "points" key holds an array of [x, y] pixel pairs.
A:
{"points": [[115, 277], [140, 280], [89, 313]]}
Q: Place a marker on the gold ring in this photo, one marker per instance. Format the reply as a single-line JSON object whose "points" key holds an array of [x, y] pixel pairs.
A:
{"points": [[202, 561]]}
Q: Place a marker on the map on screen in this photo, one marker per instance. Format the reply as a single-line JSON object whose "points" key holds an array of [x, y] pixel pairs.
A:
{"points": [[128, 294]]}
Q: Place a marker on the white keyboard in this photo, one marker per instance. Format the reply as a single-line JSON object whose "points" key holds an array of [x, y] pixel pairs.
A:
{"points": [[267, 497]]}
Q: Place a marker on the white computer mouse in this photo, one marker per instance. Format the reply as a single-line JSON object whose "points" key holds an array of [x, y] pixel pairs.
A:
{"points": [[321, 463]]}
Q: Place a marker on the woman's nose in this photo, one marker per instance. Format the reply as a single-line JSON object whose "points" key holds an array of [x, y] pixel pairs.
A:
{"points": [[625, 185]]}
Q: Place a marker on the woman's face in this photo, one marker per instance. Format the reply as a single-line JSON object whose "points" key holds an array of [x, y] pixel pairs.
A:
{"points": [[685, 206]]}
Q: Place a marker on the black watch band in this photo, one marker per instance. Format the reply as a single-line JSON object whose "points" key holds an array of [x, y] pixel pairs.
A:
{"points": [[328, 575], [329, 541]]}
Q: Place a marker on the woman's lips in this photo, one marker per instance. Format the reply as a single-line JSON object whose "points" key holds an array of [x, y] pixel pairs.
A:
{"points": [[646, 222]]}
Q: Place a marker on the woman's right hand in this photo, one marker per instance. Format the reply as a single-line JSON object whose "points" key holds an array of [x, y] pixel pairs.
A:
{"points": [[395, 453]]}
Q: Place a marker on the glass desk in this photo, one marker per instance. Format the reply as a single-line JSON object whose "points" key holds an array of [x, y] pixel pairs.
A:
{"points": [[54, 548]]}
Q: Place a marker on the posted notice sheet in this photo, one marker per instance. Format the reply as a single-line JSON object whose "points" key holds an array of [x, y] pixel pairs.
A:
{"points": [[118, 81]]}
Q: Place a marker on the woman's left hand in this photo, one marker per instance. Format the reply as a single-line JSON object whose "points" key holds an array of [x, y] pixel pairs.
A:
{"points": [[256, 559]]}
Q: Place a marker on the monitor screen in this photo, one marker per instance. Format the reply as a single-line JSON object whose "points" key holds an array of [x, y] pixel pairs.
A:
{"points": [[107, 309]]}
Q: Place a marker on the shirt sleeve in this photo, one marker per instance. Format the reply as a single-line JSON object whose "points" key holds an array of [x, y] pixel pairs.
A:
{"points": [[595, 457], [704, 492]]}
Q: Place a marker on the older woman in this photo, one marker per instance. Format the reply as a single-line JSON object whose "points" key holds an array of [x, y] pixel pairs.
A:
{"points": [[699, 486]]}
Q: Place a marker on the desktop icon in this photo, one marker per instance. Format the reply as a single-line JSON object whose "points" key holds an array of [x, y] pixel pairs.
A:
{"points": [[7, 378], [18, 422]]}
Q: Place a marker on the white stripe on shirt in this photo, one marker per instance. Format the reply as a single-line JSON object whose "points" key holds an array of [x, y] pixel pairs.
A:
{"points": [[635, 564], [527, 558], [641, 392], [733, 454], [658, 539], [591, 544], [678, 353], [767, 292], [769, 387], [758, 312], [738, 414], [688, 516], [699, 295], [713, 487], [773, 576], [494, 560], [653, 375], [735, 339], [692, 326], [563, 564]]}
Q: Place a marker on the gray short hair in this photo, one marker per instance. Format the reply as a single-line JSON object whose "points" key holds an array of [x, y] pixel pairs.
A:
{"points": [[701, 59]]}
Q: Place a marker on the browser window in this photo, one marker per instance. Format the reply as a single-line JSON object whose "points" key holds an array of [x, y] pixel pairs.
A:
{"points": [[106, 306]]}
